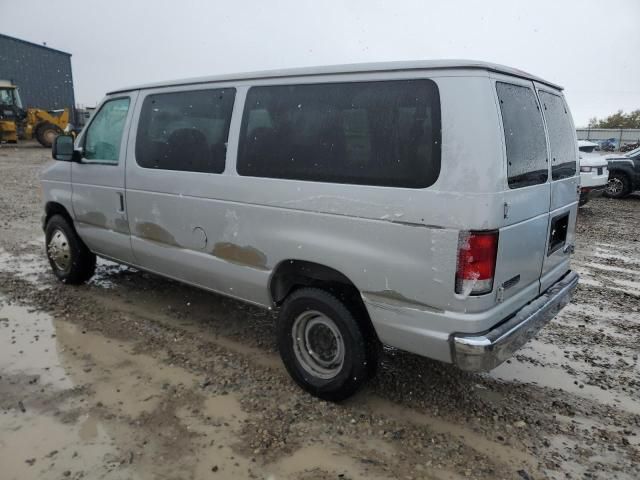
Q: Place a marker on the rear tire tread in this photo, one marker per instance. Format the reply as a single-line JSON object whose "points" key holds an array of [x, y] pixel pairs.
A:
{"points": [[360, 353]]}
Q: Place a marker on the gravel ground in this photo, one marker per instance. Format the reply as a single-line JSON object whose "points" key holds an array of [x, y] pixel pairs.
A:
{"points": [[134, 376]]}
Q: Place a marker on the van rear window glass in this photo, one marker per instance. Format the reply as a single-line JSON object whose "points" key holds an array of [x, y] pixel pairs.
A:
{"points": [[366, 133], [527, 162], [185, 131], [561, 136]]}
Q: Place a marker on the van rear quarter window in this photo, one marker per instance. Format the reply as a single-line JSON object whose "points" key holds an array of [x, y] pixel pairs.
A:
{"points": [[527, 162], [368, 133], [185, 131], [561, 141]]}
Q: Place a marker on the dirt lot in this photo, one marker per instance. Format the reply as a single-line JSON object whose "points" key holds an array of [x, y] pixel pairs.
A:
{"points": [[133, 376]]}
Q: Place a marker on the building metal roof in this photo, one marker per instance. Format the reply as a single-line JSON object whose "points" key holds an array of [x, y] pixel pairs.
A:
{"points": [[346, 69], [2, 35]]}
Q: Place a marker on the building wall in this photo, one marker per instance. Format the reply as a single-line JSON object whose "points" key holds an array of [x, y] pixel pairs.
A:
{"points": [[42, 74], [620, 136]]}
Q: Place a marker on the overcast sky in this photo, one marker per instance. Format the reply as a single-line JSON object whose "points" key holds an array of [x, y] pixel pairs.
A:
{"points": [[592, 48]]}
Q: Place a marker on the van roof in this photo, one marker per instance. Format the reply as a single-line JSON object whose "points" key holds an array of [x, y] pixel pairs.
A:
{"points": [[348, 68]]}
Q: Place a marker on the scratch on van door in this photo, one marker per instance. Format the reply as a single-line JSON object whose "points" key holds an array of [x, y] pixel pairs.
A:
{"points": [[155, 233], [247, 256], [96, 219], [396, 299]]}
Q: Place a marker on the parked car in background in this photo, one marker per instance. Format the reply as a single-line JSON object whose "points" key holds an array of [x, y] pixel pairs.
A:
{"points": [[608, 145], [624, 174], [594, 173]]}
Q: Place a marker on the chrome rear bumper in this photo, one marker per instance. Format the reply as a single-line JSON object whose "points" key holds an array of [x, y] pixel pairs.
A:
{"points": [[484, 351]]}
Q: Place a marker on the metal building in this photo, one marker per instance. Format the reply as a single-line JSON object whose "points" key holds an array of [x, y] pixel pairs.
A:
{"points": [[42, 74]]}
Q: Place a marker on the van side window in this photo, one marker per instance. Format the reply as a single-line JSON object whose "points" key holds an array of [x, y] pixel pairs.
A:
{"points": [[104, 135], [185, 131], [561, 141], [367, 133], [527, 162]]}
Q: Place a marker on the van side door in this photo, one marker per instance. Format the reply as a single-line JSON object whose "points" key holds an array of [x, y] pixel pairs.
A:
{"points": [[178, 173], [527, 194], [98, 180], [565, 179]]}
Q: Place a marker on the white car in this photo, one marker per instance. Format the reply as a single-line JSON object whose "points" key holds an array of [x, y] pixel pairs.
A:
{"points": [[594, 173]]}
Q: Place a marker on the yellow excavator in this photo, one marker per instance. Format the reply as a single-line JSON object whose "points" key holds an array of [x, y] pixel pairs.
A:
{"points": [[17, 122]]}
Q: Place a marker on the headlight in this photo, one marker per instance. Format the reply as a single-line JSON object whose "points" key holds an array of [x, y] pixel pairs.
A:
{"points": [[586, 169]]}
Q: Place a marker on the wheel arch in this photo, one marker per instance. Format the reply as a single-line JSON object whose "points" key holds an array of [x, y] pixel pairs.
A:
{"points": [[292, 274], [52, 208], [622, 170]]}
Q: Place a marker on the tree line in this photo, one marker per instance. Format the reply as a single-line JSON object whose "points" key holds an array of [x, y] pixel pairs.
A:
{"points": [[617, 120]]}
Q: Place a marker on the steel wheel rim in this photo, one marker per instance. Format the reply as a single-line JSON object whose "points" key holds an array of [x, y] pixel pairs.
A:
{"points": [[59, 251], [318, 344], [614, 186]]}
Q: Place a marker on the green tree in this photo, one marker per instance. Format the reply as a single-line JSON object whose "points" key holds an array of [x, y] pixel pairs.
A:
{"points": [[617, 120]]}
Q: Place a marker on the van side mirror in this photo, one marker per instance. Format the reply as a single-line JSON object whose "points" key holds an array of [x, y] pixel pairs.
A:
{"points": [[63, 149]]}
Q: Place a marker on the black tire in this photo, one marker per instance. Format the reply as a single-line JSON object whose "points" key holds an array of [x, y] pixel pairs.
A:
{"points": [[75, 266], [618, 186], [358, 347], [46, 134]]}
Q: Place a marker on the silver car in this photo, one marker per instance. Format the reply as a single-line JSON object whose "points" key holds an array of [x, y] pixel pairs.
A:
{"points": [[428, 206]]}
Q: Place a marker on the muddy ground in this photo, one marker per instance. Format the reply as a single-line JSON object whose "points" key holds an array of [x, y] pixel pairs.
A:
{"points": [[137, 377]]}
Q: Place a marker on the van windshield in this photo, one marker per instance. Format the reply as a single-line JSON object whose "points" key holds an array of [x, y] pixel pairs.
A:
{"points": [[524, 136]]}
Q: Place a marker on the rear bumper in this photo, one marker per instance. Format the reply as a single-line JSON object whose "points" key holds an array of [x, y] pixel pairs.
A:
{"points": [[482, 352]]}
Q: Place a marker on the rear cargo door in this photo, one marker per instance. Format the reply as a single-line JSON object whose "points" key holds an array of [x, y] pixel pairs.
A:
{"points": [[563, 210], [527, 190]]}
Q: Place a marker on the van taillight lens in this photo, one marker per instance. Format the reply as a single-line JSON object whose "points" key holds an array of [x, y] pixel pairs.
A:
{"points": [[477, 253]]}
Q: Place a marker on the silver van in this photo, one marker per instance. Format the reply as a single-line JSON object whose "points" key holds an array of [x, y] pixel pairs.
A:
{"points": [[428, 206]]}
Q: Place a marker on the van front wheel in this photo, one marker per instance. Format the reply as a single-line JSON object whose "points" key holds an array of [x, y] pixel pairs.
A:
{"points": [[322, 345], [70, 259]]}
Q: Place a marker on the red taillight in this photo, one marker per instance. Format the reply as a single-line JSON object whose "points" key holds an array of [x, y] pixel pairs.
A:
{"points": [[477, 253]]}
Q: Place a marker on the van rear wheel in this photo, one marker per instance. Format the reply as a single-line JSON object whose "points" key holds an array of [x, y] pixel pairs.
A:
{"points": [[70, 259], [323, 346]]}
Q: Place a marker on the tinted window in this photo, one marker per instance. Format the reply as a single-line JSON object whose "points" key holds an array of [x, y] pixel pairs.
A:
{"points": [[185, 130], [104, 136], [561, 140], [369, 133], [524, 136]]}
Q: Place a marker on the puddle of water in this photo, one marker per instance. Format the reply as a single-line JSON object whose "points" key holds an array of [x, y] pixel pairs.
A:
{"points": [[28, 346], [32, 438], [30, 267], [226, 407], [106, 270], [153, 313], [555, 377], [322, 458]]}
